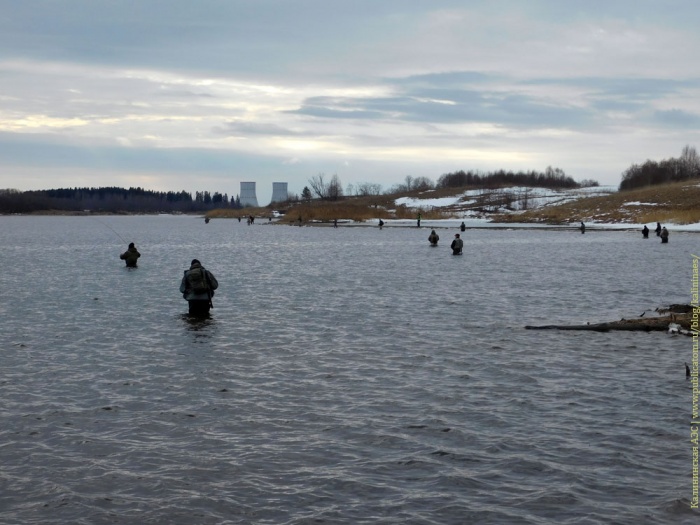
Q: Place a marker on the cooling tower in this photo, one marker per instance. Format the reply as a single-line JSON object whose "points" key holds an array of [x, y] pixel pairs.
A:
{"points": [[279, 192], [248, 197]]}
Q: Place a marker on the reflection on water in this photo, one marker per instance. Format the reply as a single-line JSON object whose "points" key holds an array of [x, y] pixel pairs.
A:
{"points": [[203, 324], [344, 376]]}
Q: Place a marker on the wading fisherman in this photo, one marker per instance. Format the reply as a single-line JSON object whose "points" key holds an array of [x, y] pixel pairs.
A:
{"points": [[645, 232], [582, 227], [433, 238], [457, 245], [197, 288], [130, 256], [664, 235]]}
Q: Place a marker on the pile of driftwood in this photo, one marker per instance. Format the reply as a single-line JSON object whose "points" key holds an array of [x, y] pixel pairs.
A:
{"points": [[676, 318]]}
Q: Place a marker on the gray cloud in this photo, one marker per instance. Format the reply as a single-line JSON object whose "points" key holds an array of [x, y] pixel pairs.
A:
{"points": [[359, 88], [677, 118]]}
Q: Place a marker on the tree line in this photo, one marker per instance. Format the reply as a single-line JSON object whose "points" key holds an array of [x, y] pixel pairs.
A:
{"points": [[554, 178], [331, 189], [139, 200], [685, 167], [112, 200]]}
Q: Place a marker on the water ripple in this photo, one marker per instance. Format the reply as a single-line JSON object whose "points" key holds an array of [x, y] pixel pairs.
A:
{"points": [[345, 376]]}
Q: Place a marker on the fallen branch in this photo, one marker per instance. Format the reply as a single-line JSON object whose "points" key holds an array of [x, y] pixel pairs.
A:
{"points": [[678, 322]]}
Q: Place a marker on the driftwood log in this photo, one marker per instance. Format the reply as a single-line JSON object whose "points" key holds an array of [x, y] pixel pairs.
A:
{"points": [[678, 314]]}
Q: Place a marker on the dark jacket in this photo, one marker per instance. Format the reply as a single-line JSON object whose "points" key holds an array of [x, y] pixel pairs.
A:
{"points": [[130, 256], [456, 246], [189, 295], [433, 237]]}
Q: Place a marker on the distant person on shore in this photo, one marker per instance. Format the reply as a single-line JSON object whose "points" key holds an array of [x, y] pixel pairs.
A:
{"points": [[664, 235], [381, 224], [335, 223], [130, 256], [197, 288], [645, 232], [658, 229], [418, 220], [433, 238], [582, 227], [462, 227], [457, 245]]}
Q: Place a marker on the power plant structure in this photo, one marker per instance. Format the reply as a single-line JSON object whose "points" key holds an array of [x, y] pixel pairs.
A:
{"points": [[279, 192], [248, 197]]}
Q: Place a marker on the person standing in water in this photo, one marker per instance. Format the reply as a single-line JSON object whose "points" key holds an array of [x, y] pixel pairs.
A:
{"points": [[433, 238], [130, 256], [418, 220], [645, 232], [462, 227], [582, 227], [457, 245], [664, 235], [658, 229], [197, 288]]}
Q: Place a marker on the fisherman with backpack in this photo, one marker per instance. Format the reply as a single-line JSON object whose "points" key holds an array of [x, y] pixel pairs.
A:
{"points": [[197, 288], [457, 245]]}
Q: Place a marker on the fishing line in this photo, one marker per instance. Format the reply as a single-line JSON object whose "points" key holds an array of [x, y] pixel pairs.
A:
{"points": [[110, 228]]}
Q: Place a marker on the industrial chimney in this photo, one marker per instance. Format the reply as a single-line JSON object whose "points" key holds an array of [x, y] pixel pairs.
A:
{"points": [[248, 197]]}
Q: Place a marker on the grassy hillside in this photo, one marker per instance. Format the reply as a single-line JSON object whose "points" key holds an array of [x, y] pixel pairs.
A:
{"points": [[677, 203], [354, 208]]}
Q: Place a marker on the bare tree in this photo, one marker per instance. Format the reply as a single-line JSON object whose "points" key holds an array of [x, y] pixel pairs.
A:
{"points": [[319, 186], [365, 189], [422, 184], [335, 188], [690, 162]]}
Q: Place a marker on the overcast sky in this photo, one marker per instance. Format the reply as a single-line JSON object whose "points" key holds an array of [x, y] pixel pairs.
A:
{"points": [[201, 95]]}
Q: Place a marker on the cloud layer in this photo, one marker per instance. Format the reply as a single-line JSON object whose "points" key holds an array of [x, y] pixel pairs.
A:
{"points": [[174, 95]]}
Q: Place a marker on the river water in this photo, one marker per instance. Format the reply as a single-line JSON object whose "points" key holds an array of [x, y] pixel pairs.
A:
{"points": [[345, 375]]}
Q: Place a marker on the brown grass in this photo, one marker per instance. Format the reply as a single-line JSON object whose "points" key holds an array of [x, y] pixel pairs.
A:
{"points": [[357, 209], [678, 203]]}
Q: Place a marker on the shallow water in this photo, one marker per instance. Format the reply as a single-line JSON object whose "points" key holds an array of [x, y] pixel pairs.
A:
{"points": [[346, 375]]}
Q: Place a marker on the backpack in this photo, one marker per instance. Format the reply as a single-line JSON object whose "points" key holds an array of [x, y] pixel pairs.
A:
{"points": [[197, 281]]}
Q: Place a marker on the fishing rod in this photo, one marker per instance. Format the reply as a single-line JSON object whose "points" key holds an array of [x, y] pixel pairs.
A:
{"points": [[110, 228]]}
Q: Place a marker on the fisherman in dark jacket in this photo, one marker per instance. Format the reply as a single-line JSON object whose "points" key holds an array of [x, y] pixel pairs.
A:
{"points": [[130, 256], [457, 245], [197, 287], [645, 232], [433, 238]]}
